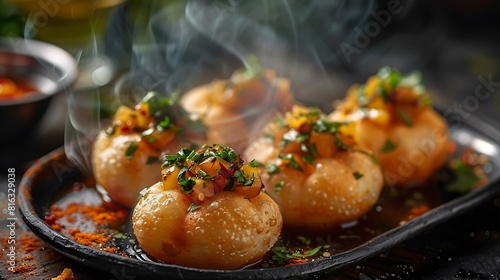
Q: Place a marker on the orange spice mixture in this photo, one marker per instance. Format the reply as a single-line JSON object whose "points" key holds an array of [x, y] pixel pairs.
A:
{"points": [[66, 274], [104, 217]]}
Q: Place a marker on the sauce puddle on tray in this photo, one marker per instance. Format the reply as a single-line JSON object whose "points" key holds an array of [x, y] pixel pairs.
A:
{"points": [[80, 213]]}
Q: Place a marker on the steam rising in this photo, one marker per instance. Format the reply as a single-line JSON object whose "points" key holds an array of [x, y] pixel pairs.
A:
{"points": [[298, 39], [174, 45]]}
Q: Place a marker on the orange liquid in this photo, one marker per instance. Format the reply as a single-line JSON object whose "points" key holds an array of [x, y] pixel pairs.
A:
{"points": [[11, 89]]}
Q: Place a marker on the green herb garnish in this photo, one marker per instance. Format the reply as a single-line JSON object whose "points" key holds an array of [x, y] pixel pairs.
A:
{"points": [[272, 169], [158, 104], [186, 184], [148, 132], [404, 117], [357, 175], [193, 207], [278, 187], [142, 193], [322, 125], [312, 252], [291, 161], [132, 147], [341, 145], [243, 179], [254, 163], [465, 180], [282, 254], [165, 124], [152, 160], [388, 146], [179, 158], [304, 240], [252, 69]]}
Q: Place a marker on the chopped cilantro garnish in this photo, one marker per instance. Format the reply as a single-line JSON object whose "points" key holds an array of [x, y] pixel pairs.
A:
{"points": [[310, 151], [304, 240], [322, 125], [380, 90], [254, 163], [390, 76], [132, 147], [302, 137], [186, 184], [229, 165], [308, 159], [179, 158], [374, 158], [411, 79], [253, 68], [312, 252], [404, 117], [272, 169], [269, 137], [193, 207], [152, 159], [142, 193], [203, 175], [148, 132], [341, 145], [465, 180], [157, 104], [388, 146], [165, 124], [278, 186], [357, 175], [281, 122], [282, 254], [291, 161], [303, 148], [119, 235], [288, 137], [110, 130], [243, 179]]}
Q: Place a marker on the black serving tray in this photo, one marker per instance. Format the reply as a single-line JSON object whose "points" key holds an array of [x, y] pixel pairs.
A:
{"points": [[45, 178]]}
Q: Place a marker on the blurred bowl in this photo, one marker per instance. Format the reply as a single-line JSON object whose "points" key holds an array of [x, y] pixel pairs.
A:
{"points": [[46, 68]]}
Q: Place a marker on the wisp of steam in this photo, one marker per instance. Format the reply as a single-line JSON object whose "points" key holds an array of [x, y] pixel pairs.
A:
{"points": [[178, 45]]}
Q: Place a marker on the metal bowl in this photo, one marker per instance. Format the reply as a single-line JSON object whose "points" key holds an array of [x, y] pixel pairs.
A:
{"points": [[47, 68]]}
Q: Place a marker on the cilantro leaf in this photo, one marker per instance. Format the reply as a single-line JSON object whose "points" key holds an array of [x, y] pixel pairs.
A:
{"points": [[186, 184], [466, 179], [291, 161], [132, 147], [272, 169], [404, 117], [254, 163], [152, 160], [156, 103], [193, 207], [388, 146], [357, 175], [278, 187]]}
